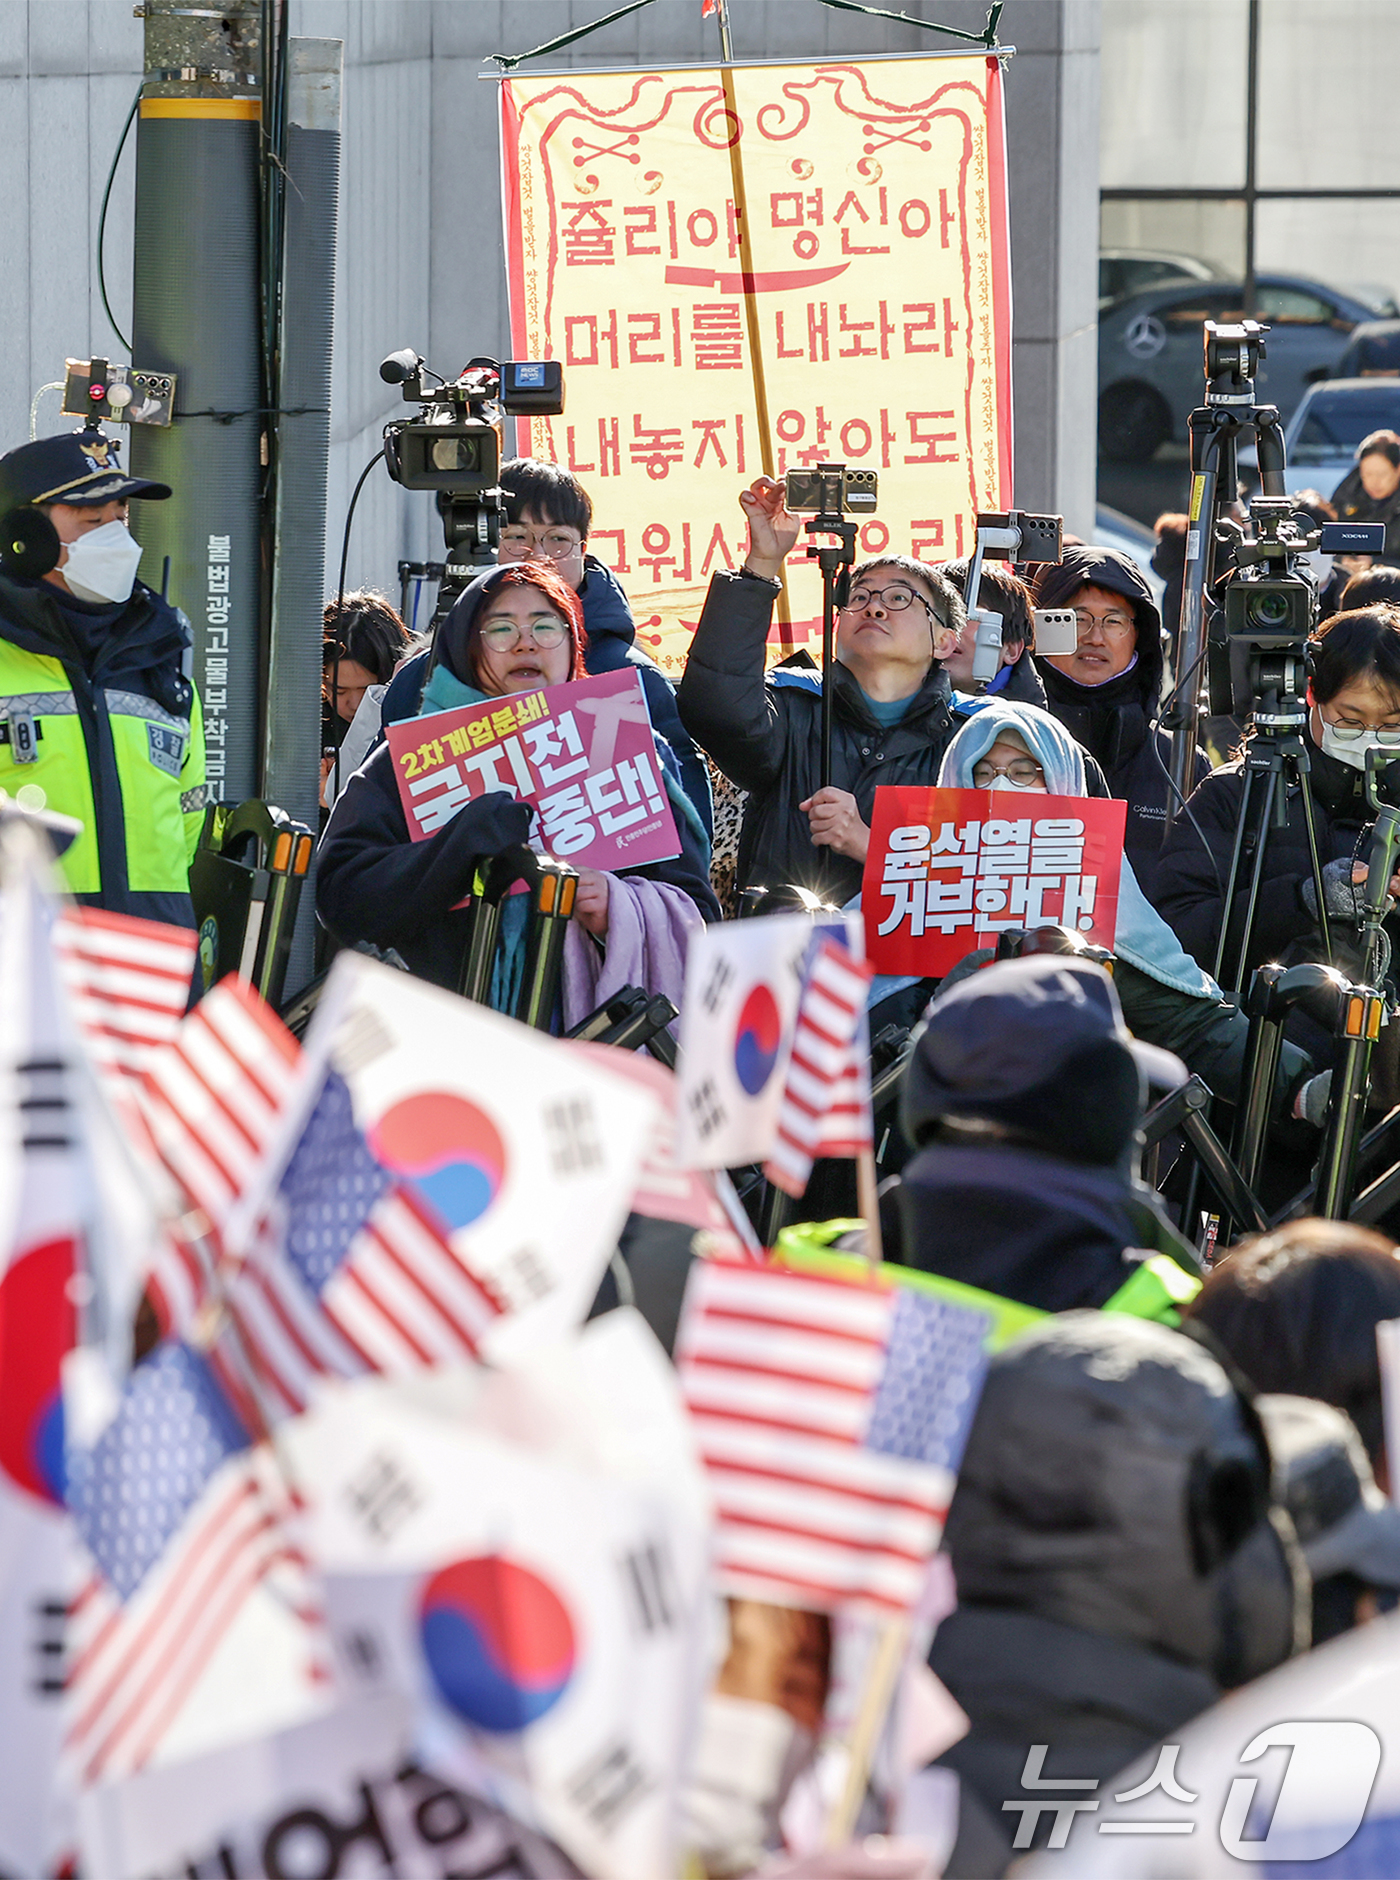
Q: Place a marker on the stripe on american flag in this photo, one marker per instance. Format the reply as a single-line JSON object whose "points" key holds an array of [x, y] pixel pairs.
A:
{"points": [[780, 1373], [129, 981], [820, 1073]]}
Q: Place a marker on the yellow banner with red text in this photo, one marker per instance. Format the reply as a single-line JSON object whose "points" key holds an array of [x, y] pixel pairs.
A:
{"points": [[748, 270]]}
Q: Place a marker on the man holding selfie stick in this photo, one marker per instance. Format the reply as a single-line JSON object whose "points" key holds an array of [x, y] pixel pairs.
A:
{"points": [[890, 706]]}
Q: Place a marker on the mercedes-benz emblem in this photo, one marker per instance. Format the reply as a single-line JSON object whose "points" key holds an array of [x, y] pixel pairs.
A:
{"points": [[1145, 336]]}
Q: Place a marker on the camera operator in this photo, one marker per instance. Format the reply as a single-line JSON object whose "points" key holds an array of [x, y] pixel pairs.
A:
{"points": [[1371, 492], [1354, 695], [1106, 693], [892, 716], [1007, 594], [548, 517], [100, 715], [363, 640]]}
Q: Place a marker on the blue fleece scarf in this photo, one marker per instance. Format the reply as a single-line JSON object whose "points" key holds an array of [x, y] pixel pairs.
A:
{"points": [[1143, 938]]}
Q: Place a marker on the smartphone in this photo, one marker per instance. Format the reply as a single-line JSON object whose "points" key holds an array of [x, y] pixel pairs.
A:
{"points": [[1055, 630]]}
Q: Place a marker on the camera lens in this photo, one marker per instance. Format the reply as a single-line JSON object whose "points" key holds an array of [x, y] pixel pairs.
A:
{"points": [[453, 453], [1269, 610]]}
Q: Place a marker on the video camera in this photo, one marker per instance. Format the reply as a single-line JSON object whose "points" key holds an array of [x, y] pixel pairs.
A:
{"points": [[1270, 599], [453, 447]]}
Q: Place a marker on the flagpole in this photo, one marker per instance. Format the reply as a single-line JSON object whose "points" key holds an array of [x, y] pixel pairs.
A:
{"points": [[726, 44], [880, 1679], [868, 1204]]}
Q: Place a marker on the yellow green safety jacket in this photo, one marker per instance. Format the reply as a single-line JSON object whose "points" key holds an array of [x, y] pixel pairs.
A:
{"points": [[100, 720], [1157, 1289]]}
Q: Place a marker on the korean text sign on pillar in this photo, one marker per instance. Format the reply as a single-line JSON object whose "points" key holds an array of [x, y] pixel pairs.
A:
{"points": [[949, 871], [752, 271]]}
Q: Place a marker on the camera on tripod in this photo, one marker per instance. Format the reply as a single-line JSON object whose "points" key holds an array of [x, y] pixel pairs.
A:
{"points": [[1271, 601], [453, 446]]}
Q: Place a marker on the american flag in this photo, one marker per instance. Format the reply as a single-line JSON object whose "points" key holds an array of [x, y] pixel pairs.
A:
{"points": [[822, 1111], [350, 1274], [129, 982], [831, 1417], [183, 1522], [211, 1103], [346, 1273]]}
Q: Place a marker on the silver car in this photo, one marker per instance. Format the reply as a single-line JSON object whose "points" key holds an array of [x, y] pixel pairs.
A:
{"points": [[1150, 363]]}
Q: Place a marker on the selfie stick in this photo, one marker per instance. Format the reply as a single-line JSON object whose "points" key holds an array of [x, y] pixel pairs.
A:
{"points": [[836, 565]]}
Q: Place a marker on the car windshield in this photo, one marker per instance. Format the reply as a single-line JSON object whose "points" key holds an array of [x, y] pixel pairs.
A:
{"points": [[1334, 424]]}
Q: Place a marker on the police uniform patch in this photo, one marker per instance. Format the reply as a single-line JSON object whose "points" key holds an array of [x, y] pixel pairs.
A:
{"points": [[166, 748]]}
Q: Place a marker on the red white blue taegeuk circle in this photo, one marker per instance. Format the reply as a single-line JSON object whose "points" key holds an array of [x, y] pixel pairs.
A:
{"points": [[756, 1038], [498, 1641], [38, 1327], [448, 1151]]}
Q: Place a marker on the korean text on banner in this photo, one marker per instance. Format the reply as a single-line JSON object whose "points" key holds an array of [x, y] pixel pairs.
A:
{"points": [[751, 271], [583, 754], [949, 871]]}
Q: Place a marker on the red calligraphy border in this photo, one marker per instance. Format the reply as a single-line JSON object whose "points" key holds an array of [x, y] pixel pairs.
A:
{"points": [[991, 109], [511, 116], [1001, 273]]}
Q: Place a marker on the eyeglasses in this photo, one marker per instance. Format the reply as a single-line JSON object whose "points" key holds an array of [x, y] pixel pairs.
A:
{"points": [[1113, 626], [1019, 770], [556, 544], [546, 630], [1388, 738], [894, 599]]}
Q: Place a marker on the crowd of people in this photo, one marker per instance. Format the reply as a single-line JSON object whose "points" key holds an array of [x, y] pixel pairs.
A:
{"points": [[1171, 1484], [1176, 1478]]}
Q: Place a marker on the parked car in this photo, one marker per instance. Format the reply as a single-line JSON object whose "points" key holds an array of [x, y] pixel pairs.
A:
{"points": [[1112, 529], [1150, 364], [1125, 271], [1321, 437], [1373, 351]]}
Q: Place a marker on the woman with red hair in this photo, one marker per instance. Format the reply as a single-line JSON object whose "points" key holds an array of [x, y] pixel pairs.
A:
{"points": [[517, 628]]}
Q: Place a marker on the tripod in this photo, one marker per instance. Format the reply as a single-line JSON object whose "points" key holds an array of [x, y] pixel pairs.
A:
{"points": [[1275, 757], [1232, 354]]}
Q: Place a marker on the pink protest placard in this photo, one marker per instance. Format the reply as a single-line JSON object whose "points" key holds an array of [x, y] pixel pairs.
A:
{"points": [[583, 754], [949, 871]]}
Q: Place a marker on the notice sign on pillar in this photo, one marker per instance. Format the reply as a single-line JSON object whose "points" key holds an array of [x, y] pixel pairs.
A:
{"points": [[752, 270]]}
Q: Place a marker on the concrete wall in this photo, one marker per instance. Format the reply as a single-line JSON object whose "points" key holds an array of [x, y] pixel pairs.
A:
{"points": [[420, 253]]}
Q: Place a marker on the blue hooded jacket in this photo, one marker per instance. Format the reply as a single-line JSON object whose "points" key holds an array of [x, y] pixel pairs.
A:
{"points": [[1143, 938]]}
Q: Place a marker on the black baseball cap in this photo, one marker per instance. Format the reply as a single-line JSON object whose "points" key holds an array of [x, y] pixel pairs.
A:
{"points": [[76, 467], [1039, 1046]]}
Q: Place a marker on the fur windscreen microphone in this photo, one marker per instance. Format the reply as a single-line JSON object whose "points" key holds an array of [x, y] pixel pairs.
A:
{"points": [[29, 544]]}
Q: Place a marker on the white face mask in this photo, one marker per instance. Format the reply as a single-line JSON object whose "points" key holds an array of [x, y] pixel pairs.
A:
{"points": [[1353, 750], [1010, 783], [102, 564]]}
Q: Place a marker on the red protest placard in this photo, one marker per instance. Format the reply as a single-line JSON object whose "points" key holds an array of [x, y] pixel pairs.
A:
{"points": [[583, 754], [949, 871]]}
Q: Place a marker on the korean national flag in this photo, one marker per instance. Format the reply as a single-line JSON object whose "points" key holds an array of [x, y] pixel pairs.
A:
{"points": [[526, 1554], [523, 1152], [743, 983]]}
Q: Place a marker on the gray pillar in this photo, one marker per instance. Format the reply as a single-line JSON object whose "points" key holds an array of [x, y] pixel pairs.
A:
{"points": [[195, 313], [292, 746], [1052, 129]]}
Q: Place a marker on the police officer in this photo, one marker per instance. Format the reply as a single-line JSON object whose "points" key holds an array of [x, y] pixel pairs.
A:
{"points": [[99, 717]]}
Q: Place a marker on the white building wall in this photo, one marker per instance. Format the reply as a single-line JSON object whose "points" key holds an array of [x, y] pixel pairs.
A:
{"points": [[420, 251]]}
